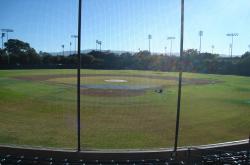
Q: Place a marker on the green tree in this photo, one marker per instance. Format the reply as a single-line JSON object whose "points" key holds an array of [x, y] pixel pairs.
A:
{"points": [[21, 53], [3, 57], [243, 65]]}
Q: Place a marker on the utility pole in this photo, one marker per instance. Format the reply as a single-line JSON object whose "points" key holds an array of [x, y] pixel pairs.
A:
{"points": [[200, 34], [171, 40], [149, 38]]}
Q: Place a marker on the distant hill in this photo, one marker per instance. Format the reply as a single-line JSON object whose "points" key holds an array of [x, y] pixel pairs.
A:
{"points": [[67, 53]]}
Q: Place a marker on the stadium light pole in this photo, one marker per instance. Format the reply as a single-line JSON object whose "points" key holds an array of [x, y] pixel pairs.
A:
{"points": [[75, 37], [2, 36], [7, 31], [229, 49], [79, 76], [200, 34], [149, 38], [63, 49], [70, 43], [232, 35], [212, 49], [180, 82], [100, 43], [171, 40], [96, 44]]}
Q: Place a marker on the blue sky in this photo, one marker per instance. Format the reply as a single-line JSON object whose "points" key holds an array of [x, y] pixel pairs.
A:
{"points": [[125, 24]]}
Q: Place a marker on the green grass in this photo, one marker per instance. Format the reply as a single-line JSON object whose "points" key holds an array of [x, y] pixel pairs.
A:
{"points": [[37, 113]]}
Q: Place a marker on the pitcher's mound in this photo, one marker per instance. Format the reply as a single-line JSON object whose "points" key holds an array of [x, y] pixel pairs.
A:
{"points": [[116, 81], [112, 92]]}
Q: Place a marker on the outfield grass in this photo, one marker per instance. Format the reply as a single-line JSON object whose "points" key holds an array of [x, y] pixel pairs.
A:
{"points": [[41, 113]]}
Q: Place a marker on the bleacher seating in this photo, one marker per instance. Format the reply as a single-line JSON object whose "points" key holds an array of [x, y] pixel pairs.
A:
{"points": [[22, 160], [229, 158], [198, 157]]}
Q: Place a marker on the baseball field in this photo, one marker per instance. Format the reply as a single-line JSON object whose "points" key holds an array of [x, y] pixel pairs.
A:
{"points": [[121, 109]]}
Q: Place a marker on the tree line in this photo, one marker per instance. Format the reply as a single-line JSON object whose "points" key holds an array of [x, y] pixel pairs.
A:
{"points": [[18, 54]]}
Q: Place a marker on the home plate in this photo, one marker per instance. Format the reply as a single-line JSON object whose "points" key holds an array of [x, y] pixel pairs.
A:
{"points": [[116, 80]]}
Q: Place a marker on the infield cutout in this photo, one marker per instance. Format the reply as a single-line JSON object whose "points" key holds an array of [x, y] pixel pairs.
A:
{"points": [[121, 88]]}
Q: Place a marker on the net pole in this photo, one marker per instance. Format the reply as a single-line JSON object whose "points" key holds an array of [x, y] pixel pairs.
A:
{"points": [[79, 77], [180, 81]]}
